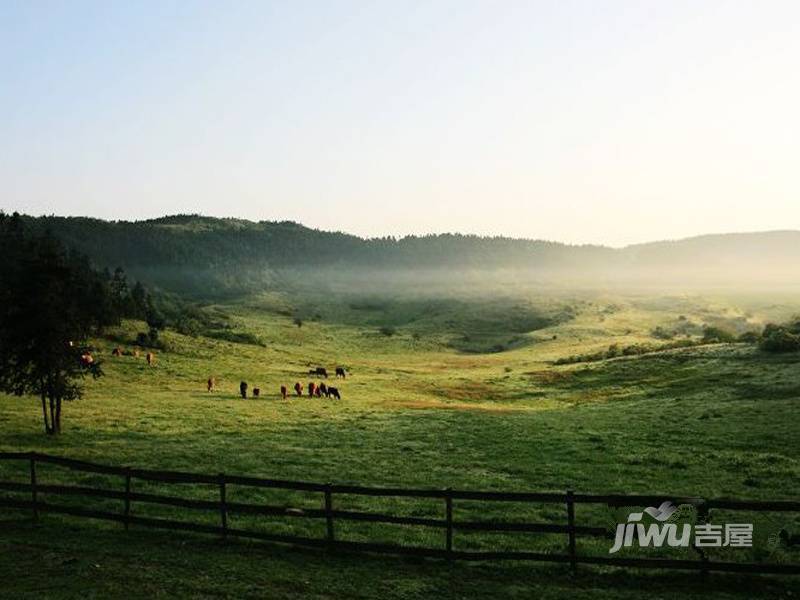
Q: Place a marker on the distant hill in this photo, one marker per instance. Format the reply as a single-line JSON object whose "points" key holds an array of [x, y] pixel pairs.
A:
{"points": [[209, 255]]}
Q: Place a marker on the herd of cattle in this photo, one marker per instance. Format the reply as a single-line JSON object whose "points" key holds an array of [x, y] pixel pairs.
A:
{"points": [[88, 359], [314, 389]]}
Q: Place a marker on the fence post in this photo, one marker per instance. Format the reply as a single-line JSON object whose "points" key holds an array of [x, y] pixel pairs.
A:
{"points": [[703, 517], [573, 564], [448, 504], [329, 514], [127, 497], [223, 506], [33, 489]]}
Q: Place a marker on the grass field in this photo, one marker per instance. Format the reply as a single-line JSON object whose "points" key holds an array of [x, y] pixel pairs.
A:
{"points": [[439, 393]]}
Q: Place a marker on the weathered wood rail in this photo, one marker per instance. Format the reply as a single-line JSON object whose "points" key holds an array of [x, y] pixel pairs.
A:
{"points": [[34, 487]]}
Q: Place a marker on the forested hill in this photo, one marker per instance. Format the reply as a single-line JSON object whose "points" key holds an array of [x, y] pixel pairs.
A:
{"points": [[195, 241], [193, 252]]}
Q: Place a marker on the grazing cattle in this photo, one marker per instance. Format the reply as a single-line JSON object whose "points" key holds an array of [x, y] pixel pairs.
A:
{"points": [[320, 372], [256, 392], [317, 391], [210, 384], [116, 352], [311, 388], [332, 391], [340, 372], [151, 358], [243, 389], [283, 392], [322, 389], [298, 389], [87, 359]]}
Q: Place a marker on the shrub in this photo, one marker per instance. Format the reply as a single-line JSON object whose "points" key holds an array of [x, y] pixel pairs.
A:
{"points": [[662, 334], [713, 335], [388, 330], [779, 339], [749, 337]]}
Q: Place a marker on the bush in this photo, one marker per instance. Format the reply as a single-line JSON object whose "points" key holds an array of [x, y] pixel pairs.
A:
{"points": [[716, 335], [237, 337], [149, 339], [662, 334], [749, 337], [779, 339], [388, 330]]}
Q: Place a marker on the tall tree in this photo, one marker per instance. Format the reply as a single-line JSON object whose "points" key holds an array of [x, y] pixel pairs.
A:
{"points": [[51, 302]]}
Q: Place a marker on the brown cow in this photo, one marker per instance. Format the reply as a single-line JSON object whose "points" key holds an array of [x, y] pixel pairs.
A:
{"points": [[318, 391], [151, 358], [256, 392], [283, 392], [210, 384], [311, 388], [116, 352], [298, 389], [87, 359]]}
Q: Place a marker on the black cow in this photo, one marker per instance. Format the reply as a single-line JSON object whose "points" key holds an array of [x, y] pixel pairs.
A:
{"points": [[340, 372], [332, 391], [256, 392], [243, 389]]}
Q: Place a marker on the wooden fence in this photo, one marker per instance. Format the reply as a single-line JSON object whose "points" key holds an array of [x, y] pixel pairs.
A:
{"points": [[127, 497]]}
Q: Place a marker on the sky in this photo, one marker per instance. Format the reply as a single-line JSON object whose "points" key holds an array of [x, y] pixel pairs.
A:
{"points": [[607, 122]]}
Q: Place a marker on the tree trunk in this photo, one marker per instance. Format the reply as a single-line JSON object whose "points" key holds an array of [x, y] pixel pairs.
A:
{"points": [[57, 424], [47, 429], [53, 429]]}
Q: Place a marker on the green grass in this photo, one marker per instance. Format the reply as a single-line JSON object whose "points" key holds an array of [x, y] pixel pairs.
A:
{"points": [[416, 411]]}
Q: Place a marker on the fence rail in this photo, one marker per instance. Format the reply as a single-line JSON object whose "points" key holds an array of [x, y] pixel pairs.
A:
{"points": [[330, 514]]}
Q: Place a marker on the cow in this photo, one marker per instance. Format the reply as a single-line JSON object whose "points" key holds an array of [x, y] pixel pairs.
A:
{"points": [[318, 391], [340, 372], [283, 392], [116, 352], [298, 389], [243, 389], [210, 384], [87, 359], [151, 358], [136, 354], [322, 389], [332, 391], [311, 388], [320, 372], [256, 392]]}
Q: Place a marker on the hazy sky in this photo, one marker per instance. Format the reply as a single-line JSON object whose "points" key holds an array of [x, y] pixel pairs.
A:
{"points": [[601, 121]]}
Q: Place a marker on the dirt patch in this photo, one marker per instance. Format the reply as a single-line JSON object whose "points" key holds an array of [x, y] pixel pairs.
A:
{"points": [[549, 377]]}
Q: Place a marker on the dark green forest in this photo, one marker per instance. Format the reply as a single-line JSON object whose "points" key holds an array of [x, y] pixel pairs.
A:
{"points": [[208, 257]]}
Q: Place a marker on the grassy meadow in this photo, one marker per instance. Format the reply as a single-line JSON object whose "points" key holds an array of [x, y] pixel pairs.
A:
{"points": [[440, 392]]}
